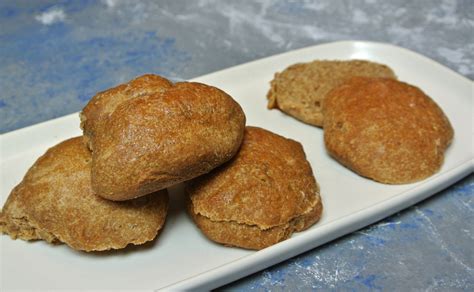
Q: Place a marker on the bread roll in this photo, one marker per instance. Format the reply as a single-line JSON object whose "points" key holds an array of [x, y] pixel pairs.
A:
{"points": [[300, 89], [55, 202], [149, 134], [385, 130], [260, 197]]}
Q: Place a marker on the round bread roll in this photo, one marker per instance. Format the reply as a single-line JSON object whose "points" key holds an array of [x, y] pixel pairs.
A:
{"points": [[55, 202], [385, 130], [260, 197], [149, 134], [301, 88]]}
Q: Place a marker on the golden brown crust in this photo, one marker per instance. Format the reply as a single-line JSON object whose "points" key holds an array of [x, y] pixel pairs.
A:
{"points": [[260, 197], [300, 89], [103, 104], [55, 202], [231, 233], [386, 130], [157, 134]]}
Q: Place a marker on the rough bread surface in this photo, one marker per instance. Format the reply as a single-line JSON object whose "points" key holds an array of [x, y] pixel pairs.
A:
{"points": [[149, 134], [385, 130], [55, 202], [260, 197], [300, 89]]}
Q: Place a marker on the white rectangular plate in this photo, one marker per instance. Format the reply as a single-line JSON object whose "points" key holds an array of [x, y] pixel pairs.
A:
{"points": [[182, 257]]}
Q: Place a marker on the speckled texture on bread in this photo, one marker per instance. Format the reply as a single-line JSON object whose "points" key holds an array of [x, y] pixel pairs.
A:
{"points": [[54, 202], [300, 89], [260, 197], [385, 130], [149, 134]]}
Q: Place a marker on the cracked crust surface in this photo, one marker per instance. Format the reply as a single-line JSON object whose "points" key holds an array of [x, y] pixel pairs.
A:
{"points": [[149, 134], [300, 89], [385, 130], [260, 197], [55, 202]]}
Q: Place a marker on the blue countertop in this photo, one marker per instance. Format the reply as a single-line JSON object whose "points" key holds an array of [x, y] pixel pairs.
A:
{"points": [[54, 55]]}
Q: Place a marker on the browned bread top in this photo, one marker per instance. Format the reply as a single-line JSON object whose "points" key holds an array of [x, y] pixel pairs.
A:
{"points": [[386, 130], [104, 103], [55, 202], [268, 183], [150, 134], [300, 89]]}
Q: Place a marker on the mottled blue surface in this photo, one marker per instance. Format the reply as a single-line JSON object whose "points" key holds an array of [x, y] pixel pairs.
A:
{"points": [[426, 247], [49, 70], [54, 55]]}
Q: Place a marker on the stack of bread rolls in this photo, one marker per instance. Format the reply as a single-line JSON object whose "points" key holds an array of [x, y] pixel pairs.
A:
{"points": [[107, 189], [381, 128]]}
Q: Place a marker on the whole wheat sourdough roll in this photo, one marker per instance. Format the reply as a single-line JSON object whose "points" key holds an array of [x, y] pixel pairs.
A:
{"points": [[260, 197], [300, 89], [55, 202], [149, 134], [386, 130]]}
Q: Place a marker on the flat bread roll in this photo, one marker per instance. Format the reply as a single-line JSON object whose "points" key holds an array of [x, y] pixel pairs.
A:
{"points": [[260, 197], [386, 130], [149, 134], [300, 89], [55, 202]]}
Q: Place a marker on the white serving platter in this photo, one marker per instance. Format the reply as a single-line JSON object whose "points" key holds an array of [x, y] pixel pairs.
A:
{"points": [[182, 258]]}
